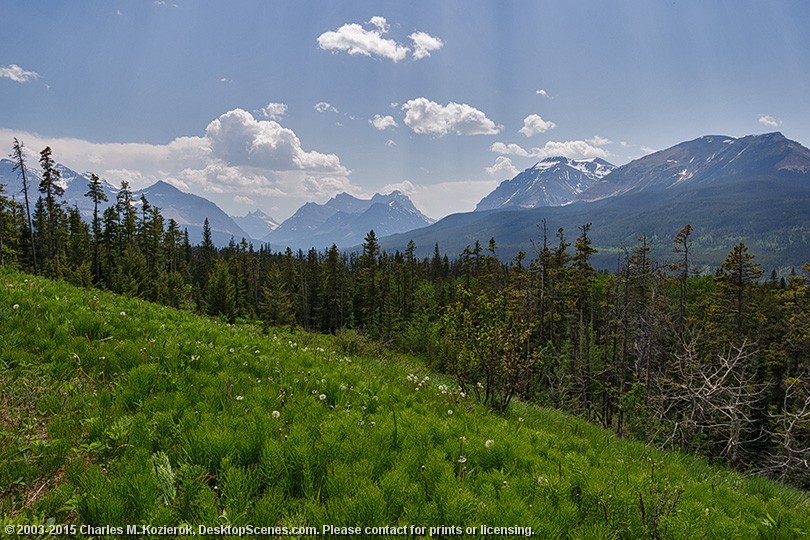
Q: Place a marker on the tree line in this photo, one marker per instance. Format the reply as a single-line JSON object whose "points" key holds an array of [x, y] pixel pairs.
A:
{"points": [[716, 364]]}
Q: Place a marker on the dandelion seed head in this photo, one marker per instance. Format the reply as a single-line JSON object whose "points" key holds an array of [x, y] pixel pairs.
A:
{"points": [[322, 397], [490, 443], [239, 398], [276, 414], [450, 412], [123, 314], [15, 306]]}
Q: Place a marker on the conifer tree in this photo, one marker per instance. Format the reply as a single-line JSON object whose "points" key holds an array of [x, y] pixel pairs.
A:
{"points": [[51, 188], [19, 166], [96, 194]]}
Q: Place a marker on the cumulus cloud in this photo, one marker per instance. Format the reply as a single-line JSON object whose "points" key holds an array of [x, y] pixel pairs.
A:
{"points": [[383, 122], [503, 167], [770, 121], [569, 149], [274, 111], [407, 187], [239, 139], [599, 141], [17, 74], [323, 107], [424, 43], [534, 124], [354, 39], [508, 149], [238, 156], [430, 118], [242, 199]]}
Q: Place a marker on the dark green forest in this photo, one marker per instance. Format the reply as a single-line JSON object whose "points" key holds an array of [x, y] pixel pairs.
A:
{"points": [[714, 364]]}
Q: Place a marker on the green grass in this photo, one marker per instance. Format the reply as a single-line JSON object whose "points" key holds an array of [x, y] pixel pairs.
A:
{"points": [[118, 412]]}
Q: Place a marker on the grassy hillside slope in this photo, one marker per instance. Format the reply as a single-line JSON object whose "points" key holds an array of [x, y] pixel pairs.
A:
{"points": [[117, 412]]}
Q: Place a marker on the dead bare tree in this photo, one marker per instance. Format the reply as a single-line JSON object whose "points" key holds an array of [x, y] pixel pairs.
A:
{"points": [[711, 402]]}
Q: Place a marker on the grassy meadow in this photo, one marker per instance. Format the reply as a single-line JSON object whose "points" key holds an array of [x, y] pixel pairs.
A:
{"points": [[117, 412]]}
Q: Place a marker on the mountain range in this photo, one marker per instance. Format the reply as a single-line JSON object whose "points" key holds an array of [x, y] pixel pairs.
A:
{"points": [[754, 189], [345, 220]]}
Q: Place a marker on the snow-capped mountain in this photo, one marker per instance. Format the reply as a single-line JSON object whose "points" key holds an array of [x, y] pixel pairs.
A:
{"points": [[753, 189], [257, 224], [554, 181], [75, 186], [708, 159], [344, 220], [188, 210]]}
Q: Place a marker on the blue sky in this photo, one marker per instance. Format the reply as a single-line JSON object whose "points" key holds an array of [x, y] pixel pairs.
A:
{"points": [[260, 104]]}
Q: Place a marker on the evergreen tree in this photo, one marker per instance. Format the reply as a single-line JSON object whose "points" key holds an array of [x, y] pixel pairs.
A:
{"points": [[96, 194], [19, 166], [369, 294], [276, 306], [51, 188], [221, 292], [735, 279]]}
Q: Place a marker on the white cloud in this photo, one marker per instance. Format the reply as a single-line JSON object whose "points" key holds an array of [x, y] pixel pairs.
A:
{"points": [[770, 121], [323, 106], [225, 80], [648, 150], [274, 111], [427, 117], [424, 43], [381, 24], [503, 167], [241, 199], [569, 149], [239, 139], [239, 156], [354, 39], [599, 141], [383, 122], [508, 149], [407, 187], [534, 124], [17, 74], [390, 142], [542, 92]]}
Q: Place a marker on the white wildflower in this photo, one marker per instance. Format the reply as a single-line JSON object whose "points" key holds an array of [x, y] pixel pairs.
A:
{"points": [[239, 398], [15, 306], [450, 412], [123, 313], [276, 414], [462, 459], [490, 443], [322, 397]]}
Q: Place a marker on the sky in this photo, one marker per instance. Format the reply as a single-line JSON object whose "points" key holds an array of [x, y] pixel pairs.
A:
{"points": [[271, 104]]}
